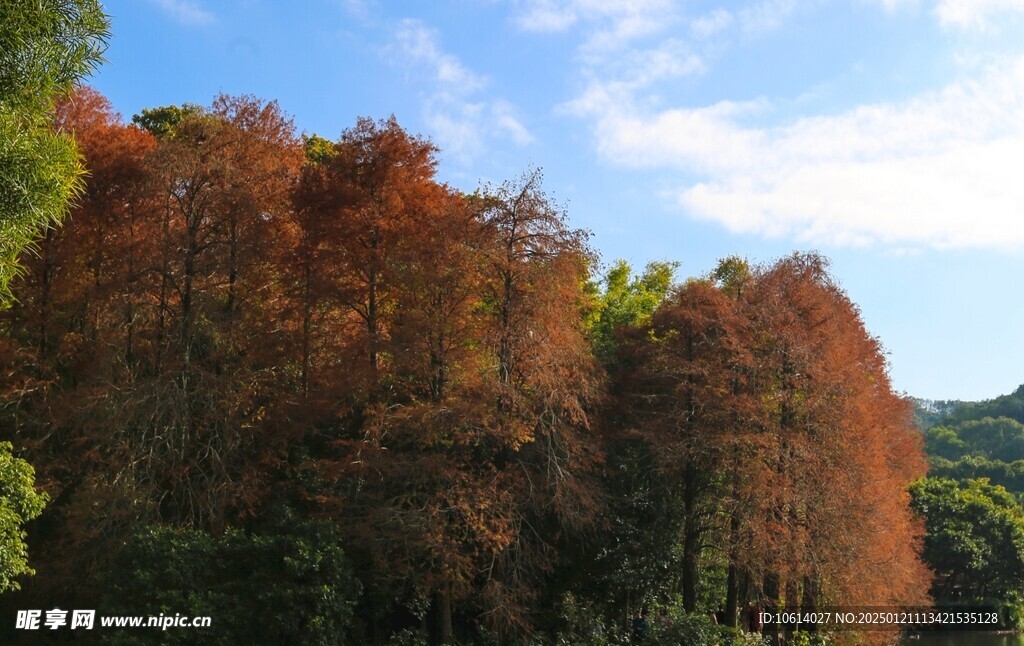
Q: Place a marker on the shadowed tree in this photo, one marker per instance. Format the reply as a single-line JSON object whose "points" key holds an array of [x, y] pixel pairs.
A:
{"points": [[146, 343], [544, 375]]}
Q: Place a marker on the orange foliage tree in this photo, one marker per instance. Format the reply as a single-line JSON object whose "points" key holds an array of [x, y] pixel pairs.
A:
{"points": [[771, 414], [231, 319]]}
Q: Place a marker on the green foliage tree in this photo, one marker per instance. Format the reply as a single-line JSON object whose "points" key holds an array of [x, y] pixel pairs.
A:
{"points": [[628, 300], [318, 149], [164, 121], [1000, 438], [930, 412], [1011, 405], [942, 441], [640, 555], [46, 46], [19, 503], [974, 540], [266, 588], [733, 274], [986, 447], [1005, 474]]}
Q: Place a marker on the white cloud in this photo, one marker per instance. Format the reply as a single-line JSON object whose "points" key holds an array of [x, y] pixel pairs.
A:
{"points": [[974, 13], [670, 59], [456, 128], [610, 24], [463, 128], [629, 45], [358, 8], [419, 44], [635, 70], [941, 169], [186, 12], [961, 14], [895, 5], [547, 16], [459, 121], [503, 115], [766, 15], [710, 24]]}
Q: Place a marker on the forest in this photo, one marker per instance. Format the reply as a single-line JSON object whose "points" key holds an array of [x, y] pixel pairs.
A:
{"points": [[971, 502], [301, 386]]}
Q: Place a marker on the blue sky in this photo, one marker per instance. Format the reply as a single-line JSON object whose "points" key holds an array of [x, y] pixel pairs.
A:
{"points": [[886, 134]]}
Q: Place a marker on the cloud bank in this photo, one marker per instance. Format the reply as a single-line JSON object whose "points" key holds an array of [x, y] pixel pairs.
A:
{"points": [[974, 13], [937, 170], [941, 169]]}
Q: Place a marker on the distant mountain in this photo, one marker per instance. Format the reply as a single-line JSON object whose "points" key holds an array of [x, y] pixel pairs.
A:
{"points": [[1011, 406], [929, 412], [966, 440], [950, 412]]}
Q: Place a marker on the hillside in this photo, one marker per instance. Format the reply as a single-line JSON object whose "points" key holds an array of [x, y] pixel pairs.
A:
{"points": [[984, 439]]}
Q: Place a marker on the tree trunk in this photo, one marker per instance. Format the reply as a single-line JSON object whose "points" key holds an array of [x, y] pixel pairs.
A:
{"points": [[809, 600], [771, 605], [732, 595], [307, 327], [691, 538], [444, 608], [732, 583]]}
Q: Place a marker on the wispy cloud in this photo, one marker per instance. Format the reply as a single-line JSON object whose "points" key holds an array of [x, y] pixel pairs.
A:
{"points": [[503, 115], [974, 14], [610, 24], [624, 45], [358, 8], [960, 14], [939, 170], [419, 45], [463, 128], [547, 15], [460, 120], [894, 5], [712, 23], [628, 45], [186, 12], [766, 15]]}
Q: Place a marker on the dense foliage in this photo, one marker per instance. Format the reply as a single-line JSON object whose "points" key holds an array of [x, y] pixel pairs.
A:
{"points": [[975, 539], [760, 449], [45, 48], [257, 588], [19, 503], [237, 320], [971, 503]]}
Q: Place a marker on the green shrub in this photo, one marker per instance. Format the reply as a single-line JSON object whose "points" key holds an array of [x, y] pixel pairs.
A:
{"points": [[294, 586]]}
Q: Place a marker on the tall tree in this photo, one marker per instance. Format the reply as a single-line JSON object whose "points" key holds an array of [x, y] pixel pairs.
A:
{"points": [[147, 345], [389, 177], [544, 376], [689, 398], [839, 445], [769, 412], [627, 301]]}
